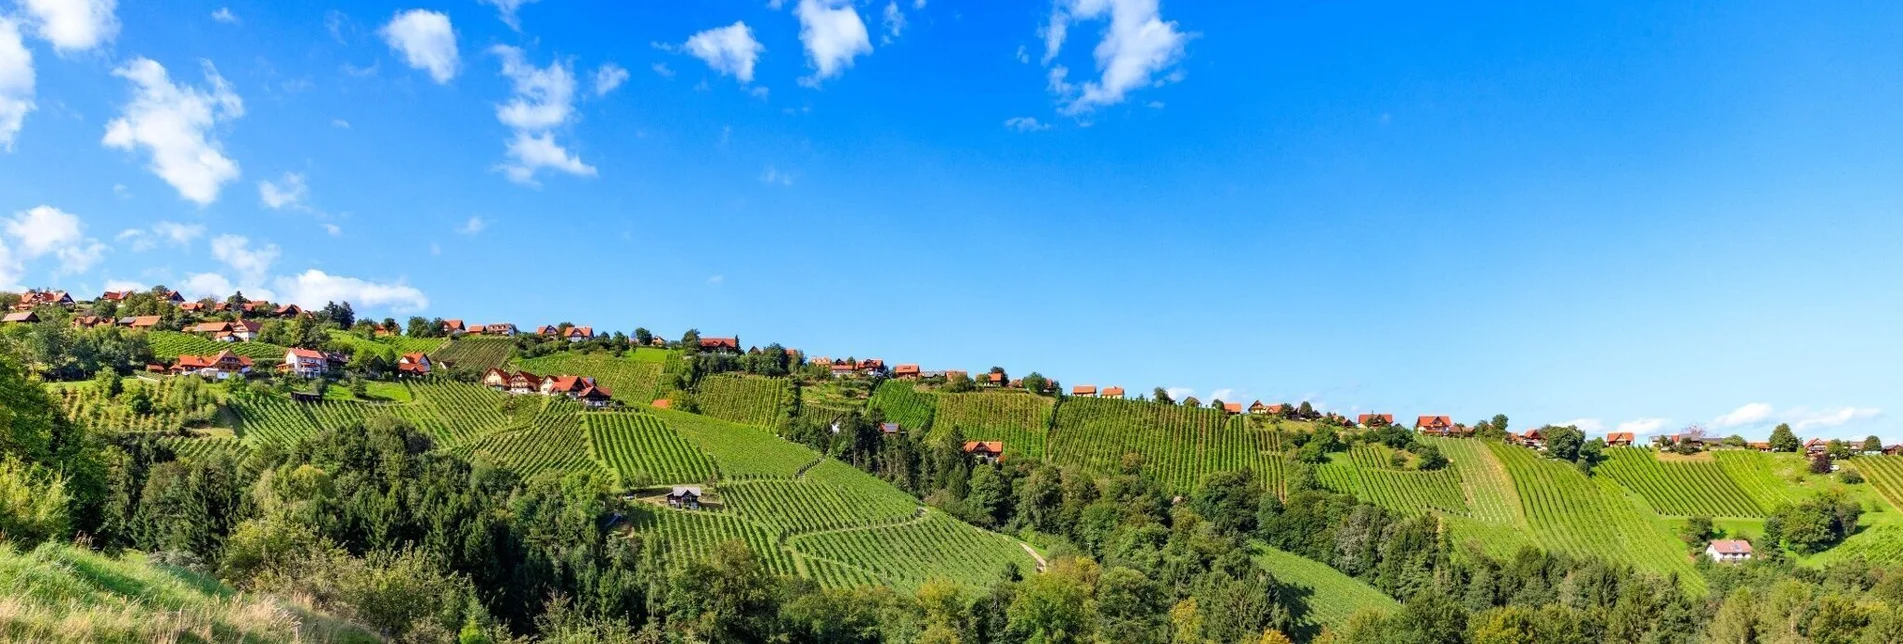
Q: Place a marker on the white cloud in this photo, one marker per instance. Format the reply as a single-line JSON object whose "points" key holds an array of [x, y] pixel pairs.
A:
{"points": [[833, 35], [313, 288], [236, 252], [340, 124], [172, 122], [1179, 393], [1025, 124], [1222, 395], [730, 50], [716, 280], [508, 8], [333, 229], [473, 226], [894, 22], [224, 15], [287, 192], [663, 70], [543, 100], [202, 285], [609, 76], [45, 230], [1137, 47], [1750, 414], [177, 234], [73, 25], [531, 152], [426, 40], [124, 285], [16, 82], [1802, 419], [773, 175], [1587, 425], [1641, 426]]}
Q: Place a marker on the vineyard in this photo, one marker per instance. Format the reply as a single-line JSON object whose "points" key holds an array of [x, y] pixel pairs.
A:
{"points": [[1330, 595], [642, 451], [476, 353], [903, 403], [1571, 513], [739, 452], [177, 403], [689, 535], [631, 381], [204, 447], [1367, 476], [1763, 477], [905, 555], [1885, 473], [555, 442], [760, 402], [1489, 491], [1021, 420], [1179, 445], [460, 413], [1680, 488], [169, 345]]}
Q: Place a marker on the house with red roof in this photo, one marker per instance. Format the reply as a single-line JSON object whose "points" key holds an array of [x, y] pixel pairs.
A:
{"points": [[34, 299], [1232, 407], [1434, 425], [305, 363], [985, 451], [114, 296], [1084, 390], [90, 321], [414, 364], [454, 327], [1374, 420], [1257, 408], [1115, 393], [218, 367], [1621, 439], [1729, 550], [234, 331], [141, 322], [906, 372], [720, 344], [1534, 438]]}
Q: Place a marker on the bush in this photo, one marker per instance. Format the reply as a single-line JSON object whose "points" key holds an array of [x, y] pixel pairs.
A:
{"points": [[32, 504], [1850, 476]]}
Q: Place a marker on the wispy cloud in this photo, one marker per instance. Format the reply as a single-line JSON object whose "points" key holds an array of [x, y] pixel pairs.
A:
{"points": [[1025, 124], [1139, 49], [473, 226]]}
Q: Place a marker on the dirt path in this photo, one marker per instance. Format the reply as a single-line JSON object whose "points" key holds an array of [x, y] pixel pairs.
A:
{"points": [[1041, 563]]}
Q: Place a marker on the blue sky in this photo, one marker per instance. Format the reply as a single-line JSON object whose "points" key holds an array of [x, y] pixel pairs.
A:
{"points": [[1642, 214]]}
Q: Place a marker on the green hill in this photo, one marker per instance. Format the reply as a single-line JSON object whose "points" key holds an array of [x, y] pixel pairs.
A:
{"points": [[62, 593], [1331, 596]]}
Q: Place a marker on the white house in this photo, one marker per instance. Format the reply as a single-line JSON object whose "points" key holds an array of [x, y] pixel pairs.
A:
{"points": [[1729, 550], [305, 363]]}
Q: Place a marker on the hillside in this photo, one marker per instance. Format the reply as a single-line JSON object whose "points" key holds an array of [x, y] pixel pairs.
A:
{"points": [[1331, 596], [62, 593]]}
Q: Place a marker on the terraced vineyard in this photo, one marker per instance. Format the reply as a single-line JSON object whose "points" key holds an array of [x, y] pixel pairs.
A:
{"points": [[476, 353], [908, 554], [760, 402], [1885, 473], [694, 534], [1330, 595], [642, 451], [468, 411], [176, 403], [739, 452], [1681, 488], [169, 345], [1366, 475], [1590, 517], [1484, 481], [555, 442], [1179, 445], [633, 382], [1019, 419], [405, 344], [903, 403], [832, 495]]}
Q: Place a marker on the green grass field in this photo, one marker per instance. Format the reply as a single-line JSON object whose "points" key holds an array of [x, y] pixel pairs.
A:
{"points": [[1331, 596], [63, 593], [631, 381], [1019, 419]]}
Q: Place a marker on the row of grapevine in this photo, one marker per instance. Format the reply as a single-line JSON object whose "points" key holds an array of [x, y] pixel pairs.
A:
{"points": [[739, 452], [176, 403], [1021, 420], [1331, 596], [555, 442], [470, 411], [631, 381], [204, 446], [169, 345], [747, 400], [1177, 445], [691, 535], [798, 506], [1682, 488], [1408, 492], [1590, 517], [903, 403], [906, 555], [832, 574], [1885, 473], [476, 353], [1756, 473], [643, 451], [1483, 480]]}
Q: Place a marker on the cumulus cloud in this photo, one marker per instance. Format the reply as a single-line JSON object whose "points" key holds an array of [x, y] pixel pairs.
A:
{"points": [[1641, 426], [16, 82], [202, 285], [507, 9], [426, 40], [730, 50], [73, 25], [172, 232], [1137, 47], [1179, 393], [773, 176], [250, 263], [172, 123], [1025, 124], [313, 288], [224, 15], [608, 77], [663, 70], [287, 192], [833, 35], [1749, 414], [543, 99], [473, 226], [45, 230]]}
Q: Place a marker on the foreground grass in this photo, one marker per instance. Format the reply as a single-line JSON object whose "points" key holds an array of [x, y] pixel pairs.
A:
{"points": [[63, 593]]}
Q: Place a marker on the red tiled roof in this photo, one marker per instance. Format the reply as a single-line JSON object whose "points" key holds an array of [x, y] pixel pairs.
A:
{"points": [[661, 403], [994, 447], [1111, 391], [720, 343], [1434, 422], [1083, 390], [307, 354], [905, 370], [1364, 418], [1233, 408], [1731, 546], [1615, 437]]}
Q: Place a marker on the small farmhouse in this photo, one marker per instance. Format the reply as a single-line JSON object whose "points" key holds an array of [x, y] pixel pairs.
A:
{"points": [[1729, 550], [219, 367], [684, 497], [305, 363], [985, 451]]}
